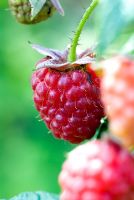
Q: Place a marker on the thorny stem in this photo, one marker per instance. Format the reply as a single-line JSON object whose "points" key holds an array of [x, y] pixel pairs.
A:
{"points": [[72, 52]]}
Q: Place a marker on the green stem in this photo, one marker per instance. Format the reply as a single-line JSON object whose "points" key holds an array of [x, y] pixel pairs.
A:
{"points": [[72, 52]]}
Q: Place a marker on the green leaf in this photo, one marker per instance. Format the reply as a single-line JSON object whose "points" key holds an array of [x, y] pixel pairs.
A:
{"points": [[35, 196], [114, 18], [36, 6]]}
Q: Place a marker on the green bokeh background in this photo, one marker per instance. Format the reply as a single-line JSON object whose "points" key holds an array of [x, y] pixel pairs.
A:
{"points": [[30, 158]]}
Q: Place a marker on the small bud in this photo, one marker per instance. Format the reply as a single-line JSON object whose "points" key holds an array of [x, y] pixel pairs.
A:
{"points": [[21, 9]]}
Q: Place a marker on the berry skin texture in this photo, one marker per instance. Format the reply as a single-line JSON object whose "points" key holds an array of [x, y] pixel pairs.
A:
{"points": [[118, 97], [98, 170], [21, 9], [68, 102]]}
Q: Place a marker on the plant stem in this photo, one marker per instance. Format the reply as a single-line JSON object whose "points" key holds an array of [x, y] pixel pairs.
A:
{"points": [[72, 52]]}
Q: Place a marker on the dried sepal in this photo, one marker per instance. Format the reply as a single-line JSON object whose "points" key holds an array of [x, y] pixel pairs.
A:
{"points": [[59, 59], [83, 61], [52, 63], [86, 52], [58, 6], [55, 54]]}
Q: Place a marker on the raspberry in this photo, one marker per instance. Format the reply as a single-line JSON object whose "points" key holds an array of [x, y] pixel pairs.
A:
{"points": [[98, 170], [21, 9], [118, 97], [68, 100]]}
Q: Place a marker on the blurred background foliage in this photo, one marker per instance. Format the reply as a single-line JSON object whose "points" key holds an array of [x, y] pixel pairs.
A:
{"points": [[30, 158]]}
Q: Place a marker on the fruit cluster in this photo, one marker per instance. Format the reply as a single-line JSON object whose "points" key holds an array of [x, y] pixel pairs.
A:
{"points": [[68, 98], [103, 169], [72, 98]]}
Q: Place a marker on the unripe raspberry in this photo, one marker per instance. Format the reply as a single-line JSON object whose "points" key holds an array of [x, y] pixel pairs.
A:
{"points": [[98, 170], [118, 97], [21, 9]]}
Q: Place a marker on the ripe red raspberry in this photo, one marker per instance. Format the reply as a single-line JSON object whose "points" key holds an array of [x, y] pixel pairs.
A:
{"points": [[118, 97], [98, 170], [68, 97]]}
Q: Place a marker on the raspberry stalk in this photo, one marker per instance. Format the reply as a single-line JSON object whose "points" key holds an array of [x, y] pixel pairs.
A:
{"points": [[72, 53]]}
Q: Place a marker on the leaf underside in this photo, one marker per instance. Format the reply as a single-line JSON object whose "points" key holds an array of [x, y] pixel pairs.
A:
{"points": [[35, 196]]}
